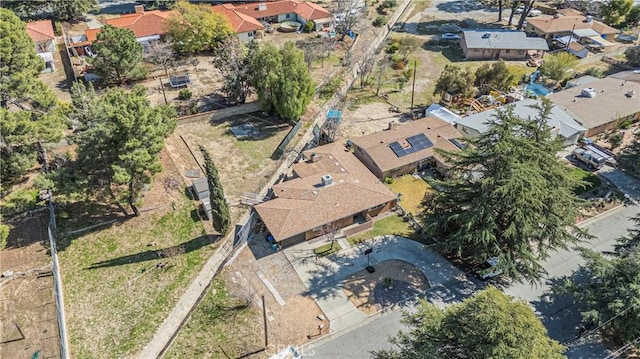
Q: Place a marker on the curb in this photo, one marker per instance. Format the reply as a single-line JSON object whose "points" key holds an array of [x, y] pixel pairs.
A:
{"points": [[597, 217]]}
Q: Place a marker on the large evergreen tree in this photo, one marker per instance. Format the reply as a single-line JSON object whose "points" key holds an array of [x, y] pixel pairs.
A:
{"points": [[219, 207], [488, 325], [454, 80], [282, 80], [196, 28], [119, 140], [30, 113], [66, 10], [611, 295], [629, 158], [118, 55], [508, 196]]}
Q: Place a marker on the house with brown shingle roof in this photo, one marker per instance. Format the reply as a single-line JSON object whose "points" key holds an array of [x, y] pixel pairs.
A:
{"points": [[603, 104], [403, 148], [329, 187], [41, 32], [565, 25], [243, 25], [288, 10]]}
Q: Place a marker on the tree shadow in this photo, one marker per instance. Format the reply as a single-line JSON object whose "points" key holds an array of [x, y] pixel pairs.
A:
{"points": [[116, 8], [154, 254], [460, 6], [28, 230]]}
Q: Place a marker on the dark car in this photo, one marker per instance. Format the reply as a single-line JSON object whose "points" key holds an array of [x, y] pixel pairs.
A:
{"points": [[399, 27]]}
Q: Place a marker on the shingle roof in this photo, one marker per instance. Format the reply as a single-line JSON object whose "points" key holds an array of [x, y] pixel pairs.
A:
{"points": [[143, 24], [558, 118], [549, 24], [306, 10], [502, 39], [40, 30], [240, 22], [302, 204], [439, 132], [611, 101]]}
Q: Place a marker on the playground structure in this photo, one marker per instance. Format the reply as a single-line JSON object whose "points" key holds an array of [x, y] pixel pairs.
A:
{"points": [[534, 89], [329, 129]]}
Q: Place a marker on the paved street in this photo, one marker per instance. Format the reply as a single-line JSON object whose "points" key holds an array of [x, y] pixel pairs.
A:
{"points": [[559, 314]]}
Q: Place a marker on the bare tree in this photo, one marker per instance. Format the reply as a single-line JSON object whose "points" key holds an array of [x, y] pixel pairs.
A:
{"points": [[330, 231], [383, 64], [234, 61], [514, 6], [347, 13], [159, 53], [365, 66]]}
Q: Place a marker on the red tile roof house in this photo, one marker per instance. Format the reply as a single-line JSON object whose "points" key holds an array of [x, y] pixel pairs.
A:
{"points": [[243, 25], [404, 148], [289, 10], [330, 187], [41, 32]]}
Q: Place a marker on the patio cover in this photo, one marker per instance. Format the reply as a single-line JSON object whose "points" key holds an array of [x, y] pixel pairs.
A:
{"points": [[585, 33], [601, 41]]}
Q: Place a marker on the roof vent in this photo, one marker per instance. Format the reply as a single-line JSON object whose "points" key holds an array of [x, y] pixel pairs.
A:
{"points": [[588, 92], [314, 157], [393, 125], [327, 180], [486, 35], [630, 94], [588, 19], [262, 6]]}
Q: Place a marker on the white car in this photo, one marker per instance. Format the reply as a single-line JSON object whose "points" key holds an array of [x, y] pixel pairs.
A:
{"points": [[450, 36], [519, 10], [534, 13], [489, 269]]}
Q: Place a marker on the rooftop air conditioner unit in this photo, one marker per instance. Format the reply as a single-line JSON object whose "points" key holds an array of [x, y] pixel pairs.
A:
{"points": [[589, 92], [327, 180]]}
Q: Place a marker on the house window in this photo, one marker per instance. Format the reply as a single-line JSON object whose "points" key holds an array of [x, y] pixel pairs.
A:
{"points": [[464, 129], [288, 16], [507, 51], [250, 34]]}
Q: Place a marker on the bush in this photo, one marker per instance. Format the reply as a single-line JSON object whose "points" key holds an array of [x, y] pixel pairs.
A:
{"points": [[392, 48], [184, 94], [615, 140], [388, 180], [379, 21], [633, 55], [388, 4], [595, 72], [309, 27]]}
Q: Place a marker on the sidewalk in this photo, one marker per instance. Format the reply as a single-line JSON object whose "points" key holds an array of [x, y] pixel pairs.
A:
{"points": [[324, 277]]}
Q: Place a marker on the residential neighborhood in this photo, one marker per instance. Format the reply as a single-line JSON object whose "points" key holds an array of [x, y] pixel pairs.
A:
{"points": [[320, 179]]}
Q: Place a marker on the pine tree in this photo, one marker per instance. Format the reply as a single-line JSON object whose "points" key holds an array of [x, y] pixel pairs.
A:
{"points": [[118, 55], [219, 207], [508, 197]]}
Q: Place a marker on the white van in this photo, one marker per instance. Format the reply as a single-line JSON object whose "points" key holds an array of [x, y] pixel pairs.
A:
{"points": [[534, 13]]}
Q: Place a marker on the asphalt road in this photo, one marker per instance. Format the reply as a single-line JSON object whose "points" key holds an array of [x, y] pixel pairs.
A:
{"points": [[559, 314]]}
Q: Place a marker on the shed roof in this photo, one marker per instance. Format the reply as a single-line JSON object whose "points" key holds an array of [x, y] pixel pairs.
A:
{"points": [[40, 30], [502, 39], [560, 119], [612, 101], [302, 204], [377, 145], [240, 23]]}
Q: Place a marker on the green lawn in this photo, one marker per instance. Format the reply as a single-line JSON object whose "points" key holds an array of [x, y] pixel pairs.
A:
{"points": [[412, 190], [592, 180], [120, 282], [18, 201], [327, 249], [391, 225]]}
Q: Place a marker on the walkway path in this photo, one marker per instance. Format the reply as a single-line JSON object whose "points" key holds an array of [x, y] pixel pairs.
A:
{"points": [[324, 277]]}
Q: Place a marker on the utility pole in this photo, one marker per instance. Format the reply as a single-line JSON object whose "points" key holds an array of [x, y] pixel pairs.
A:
{"points": [[413, 88], [571, 36], [264, 318]]}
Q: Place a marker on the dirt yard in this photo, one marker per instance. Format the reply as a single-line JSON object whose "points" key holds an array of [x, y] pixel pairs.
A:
{"points": [[392, 282], [28, 312]]}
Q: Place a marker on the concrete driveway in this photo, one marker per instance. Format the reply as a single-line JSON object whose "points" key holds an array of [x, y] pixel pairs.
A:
{"points": [[625, 183], [324, 277]]}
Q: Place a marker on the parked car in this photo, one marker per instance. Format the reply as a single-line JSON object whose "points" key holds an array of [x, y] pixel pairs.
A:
{"points": [[489, 269], [534, 13], [590, 158], [450, 36], [519, 10]]}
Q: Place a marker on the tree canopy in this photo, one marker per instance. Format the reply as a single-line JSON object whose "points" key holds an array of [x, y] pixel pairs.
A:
{"points": [[612, 294], [282, 80], [66, 10], [234, 61], [118, 55], [488, 325], [508, 196], [219, 208], [30, 113], [496, 75], [557, 66], [633, 55], [614, 11], [629, 158], [196, 28], [119, 139], [454, 80]]}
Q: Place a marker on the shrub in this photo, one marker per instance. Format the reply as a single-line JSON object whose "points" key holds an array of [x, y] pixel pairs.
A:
{"points": [[379, 21], [309, 27], [184, 94], [388, 180], [392, 48], [387, 4], [595, 72]]}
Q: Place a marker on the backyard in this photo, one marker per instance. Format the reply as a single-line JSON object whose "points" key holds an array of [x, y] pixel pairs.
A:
{"points": [[390, 225], [411, 190]]}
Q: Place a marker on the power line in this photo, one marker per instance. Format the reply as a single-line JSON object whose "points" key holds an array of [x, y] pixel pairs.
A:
{"points": [[602, 325]]}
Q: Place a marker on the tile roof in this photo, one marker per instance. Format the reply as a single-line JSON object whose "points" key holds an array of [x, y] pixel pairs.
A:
{"points": [[302, 204], [611, 101], [502, 39], [306, 10], [549, 24], [40, 30], [439, 132], [143, 24], [239, 22]]}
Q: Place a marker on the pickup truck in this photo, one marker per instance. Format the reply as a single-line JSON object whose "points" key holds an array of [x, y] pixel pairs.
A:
{"points": [[590, 158]]}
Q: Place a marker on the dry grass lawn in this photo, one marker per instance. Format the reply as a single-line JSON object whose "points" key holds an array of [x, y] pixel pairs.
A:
{"points": [[412, 190]]}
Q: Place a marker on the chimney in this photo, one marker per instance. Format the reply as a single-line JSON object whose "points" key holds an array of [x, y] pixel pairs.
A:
{"points": [[139, 9], [262, 6], [327, 180], [393, 125]]}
